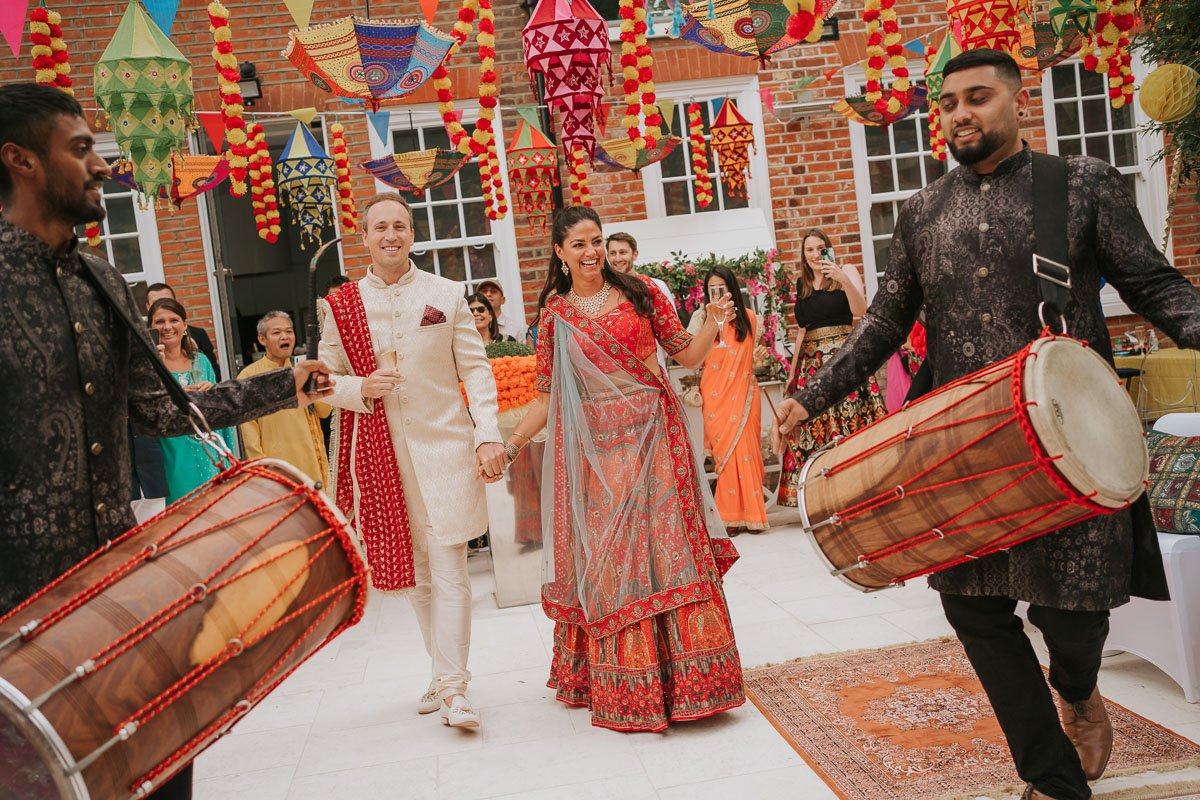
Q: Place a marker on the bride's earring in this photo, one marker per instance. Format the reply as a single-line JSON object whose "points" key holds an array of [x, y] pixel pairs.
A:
{"points": [[564, 268]]}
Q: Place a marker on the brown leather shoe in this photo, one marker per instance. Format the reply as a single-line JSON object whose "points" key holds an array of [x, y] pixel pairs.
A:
{"points": [[1087, 725]]}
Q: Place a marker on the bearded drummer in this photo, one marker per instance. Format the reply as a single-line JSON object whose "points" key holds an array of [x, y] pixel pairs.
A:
{"points": [[963, 249], [72, 375]]}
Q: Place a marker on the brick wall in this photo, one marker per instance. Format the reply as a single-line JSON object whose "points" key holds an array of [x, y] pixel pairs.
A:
{"points": [[812, 178]]}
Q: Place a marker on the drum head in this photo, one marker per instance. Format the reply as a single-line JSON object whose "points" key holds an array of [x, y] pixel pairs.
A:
{"points": [[1081, 412], [33, 759]]}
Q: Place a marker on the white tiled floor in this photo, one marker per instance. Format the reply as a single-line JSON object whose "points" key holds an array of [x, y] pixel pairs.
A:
{"points": [[344, 725]]}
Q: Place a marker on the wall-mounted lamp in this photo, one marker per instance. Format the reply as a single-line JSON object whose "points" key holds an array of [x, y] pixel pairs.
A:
{"points": [[248, 83]]}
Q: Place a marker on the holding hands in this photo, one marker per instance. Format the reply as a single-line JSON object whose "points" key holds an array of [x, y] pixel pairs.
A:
{"points": [[491, 461]]}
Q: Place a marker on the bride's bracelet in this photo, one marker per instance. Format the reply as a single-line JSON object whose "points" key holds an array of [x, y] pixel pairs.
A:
{"points": [[512, 451]]}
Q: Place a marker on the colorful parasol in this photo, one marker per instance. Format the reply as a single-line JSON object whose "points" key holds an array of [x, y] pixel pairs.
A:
{"points": [[418, 170], [731, 136], [1078, 13], [190, 175], [1040, 48], [144, 85], [987, 23], [532, 174], [305, 183], [860, 109], [621, 153], [368, 59], [567, 42], [750, 28]]}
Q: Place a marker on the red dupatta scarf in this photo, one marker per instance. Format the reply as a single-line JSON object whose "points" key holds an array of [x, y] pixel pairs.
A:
{"points": [[365, 455], [625, 509]]}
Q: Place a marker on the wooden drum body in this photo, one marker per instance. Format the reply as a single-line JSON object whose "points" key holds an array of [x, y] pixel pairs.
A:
{"points": [[1039, 441], [121, 671]]}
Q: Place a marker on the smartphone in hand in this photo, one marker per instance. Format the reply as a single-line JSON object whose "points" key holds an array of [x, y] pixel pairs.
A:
{"points": [[153, 336], [827, 254]]}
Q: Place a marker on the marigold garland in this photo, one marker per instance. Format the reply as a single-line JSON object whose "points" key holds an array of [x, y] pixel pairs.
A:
{"points": [[884, 48], [516, 381], [805, 21], [637, 69], [937, 137], [50, 58], [577, 164], [341, 163], [270, 199], [232, 104], [703, 187], [1110, 54]]}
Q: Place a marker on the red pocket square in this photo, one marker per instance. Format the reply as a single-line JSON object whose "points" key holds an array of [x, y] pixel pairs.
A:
{"points": [[432, 316]]}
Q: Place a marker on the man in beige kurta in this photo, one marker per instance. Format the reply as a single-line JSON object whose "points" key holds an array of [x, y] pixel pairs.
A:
{"points": [[424, 344], [294, 434]]}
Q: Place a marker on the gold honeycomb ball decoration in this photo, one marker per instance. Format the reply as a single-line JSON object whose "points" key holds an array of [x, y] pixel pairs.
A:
{"points": [[1169, 93]]}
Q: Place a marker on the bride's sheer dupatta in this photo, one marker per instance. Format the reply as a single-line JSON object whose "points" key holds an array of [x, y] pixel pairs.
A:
{"points": [[631, 530]]}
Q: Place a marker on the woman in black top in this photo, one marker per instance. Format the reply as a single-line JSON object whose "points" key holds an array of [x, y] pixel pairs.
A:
{"points": [[828, 298], [485, 319]]}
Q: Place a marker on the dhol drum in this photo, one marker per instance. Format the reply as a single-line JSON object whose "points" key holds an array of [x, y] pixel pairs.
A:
{"points": [[1033, 443], [120, 672]]}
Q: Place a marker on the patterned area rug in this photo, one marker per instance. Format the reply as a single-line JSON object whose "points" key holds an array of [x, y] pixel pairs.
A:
{"points": [[913, 723]]}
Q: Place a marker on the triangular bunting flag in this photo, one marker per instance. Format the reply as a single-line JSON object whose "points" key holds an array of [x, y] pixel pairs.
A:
{"points": [[602, 120], [12, 23], [163, 13], [214, 126], [305, 115], [666, 107], [301, 11], [768, 98], [380, 122], [918, 46], [429, 8]]}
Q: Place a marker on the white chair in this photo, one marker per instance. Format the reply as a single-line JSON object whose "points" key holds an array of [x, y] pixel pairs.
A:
{"points": [[1168, 634]]}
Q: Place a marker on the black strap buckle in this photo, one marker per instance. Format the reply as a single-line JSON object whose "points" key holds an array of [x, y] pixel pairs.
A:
{"points": [[1054, 285]]}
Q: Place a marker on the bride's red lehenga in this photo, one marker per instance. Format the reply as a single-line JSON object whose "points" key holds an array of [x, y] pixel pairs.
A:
{"points": [[642, 633]]}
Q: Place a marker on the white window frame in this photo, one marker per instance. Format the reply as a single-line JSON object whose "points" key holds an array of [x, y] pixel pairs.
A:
{"points": [[145, 220], [503, 236], [854, 80], [745, 93], [1150, 179]]}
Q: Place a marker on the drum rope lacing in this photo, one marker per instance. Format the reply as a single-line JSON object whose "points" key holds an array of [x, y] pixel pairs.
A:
{"points": [[1042, 461]]}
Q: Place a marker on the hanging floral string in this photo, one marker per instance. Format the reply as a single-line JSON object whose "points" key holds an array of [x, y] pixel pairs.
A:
{"points": [[577, 166], [884, 48], [341, 163], [937, 137], [805, 21], [637, 68], [484, 138], [232, 105], [262, 185], [1110, 54], [441, 79], [703, 187]]}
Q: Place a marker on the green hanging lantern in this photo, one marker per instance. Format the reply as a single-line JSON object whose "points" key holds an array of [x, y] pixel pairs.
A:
{"points": [[144, 85]]}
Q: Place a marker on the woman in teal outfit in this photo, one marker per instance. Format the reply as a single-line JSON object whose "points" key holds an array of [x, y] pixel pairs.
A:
{"points": [[187, 462]]}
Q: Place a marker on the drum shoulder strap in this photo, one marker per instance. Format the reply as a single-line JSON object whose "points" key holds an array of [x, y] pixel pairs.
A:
{"points": [[1051, 259]]}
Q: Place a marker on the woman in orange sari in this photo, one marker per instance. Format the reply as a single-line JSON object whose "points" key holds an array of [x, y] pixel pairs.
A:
{"points": [[733, 409], [635, 550]]}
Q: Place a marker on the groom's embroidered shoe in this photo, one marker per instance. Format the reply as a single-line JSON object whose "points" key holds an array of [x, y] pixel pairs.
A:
{"points": [[429, 702], [457, 712]]}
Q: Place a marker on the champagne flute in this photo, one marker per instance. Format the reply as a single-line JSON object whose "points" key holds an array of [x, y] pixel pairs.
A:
{"points": [[715, 293]]}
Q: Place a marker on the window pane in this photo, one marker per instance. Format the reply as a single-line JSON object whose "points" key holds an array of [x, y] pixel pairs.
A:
{"points": [[445, 222], [1066, 116], [882, 248], [476, 218], [1091, 84], [421, 224], [881, 176], [1097, 147], [675, 165], [127, 254], [451, 264], [445, 191], [1063, 80], [422, 260], [1124, 150], [1069, 147], [483, 262], [1095, 116], [1131, 183], [908, 140], [437, 137], [877, 141], [1122, 118], [935, 169], [908, 171], [469, 180], [728, 201], [120, 214], [883, 218], [675, 195], [405, 141]]}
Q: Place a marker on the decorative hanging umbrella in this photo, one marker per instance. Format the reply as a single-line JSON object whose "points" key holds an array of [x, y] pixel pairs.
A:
{"points": [[368, 59], [144, 85], [532, 172], [567, 42], [190, 175], [860, 109], [935, 63], [417, 170], [620, 153], [732, 135], [750, 28], [1081, 14], [306, 180], [987, 23], [1040, 48]]}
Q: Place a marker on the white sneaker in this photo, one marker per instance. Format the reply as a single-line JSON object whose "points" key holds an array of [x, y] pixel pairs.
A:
{"points": [[457, 713], [429, 702]]}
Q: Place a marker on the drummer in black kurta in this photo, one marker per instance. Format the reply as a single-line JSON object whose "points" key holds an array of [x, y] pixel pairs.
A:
{"points": [[963, 248], [71, 377]]}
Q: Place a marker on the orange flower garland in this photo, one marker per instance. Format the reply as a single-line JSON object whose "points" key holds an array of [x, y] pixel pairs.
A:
{"points": [[703, 187], [50, 57], [254, 170], [270, 201], [883, 40], [232, 105], [637, 68], [484, 144], [516, 381], [441, 79], [1111, 55], [341, 162], [805, 22]]}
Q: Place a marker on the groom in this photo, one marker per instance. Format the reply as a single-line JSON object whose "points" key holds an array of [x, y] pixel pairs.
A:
{"points": [[410, 460]]}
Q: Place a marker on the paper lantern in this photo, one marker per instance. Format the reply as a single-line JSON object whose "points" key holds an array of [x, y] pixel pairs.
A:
{"points": [[1169, 93], [1077, 14], [986, 23], [731, 136], [305, 183], [144, 85], [368, 59], [417, 170], [532, 174], [566, 41]]}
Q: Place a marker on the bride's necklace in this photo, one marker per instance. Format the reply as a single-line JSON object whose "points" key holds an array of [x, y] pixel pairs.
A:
{"points": [[591, 305]]}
